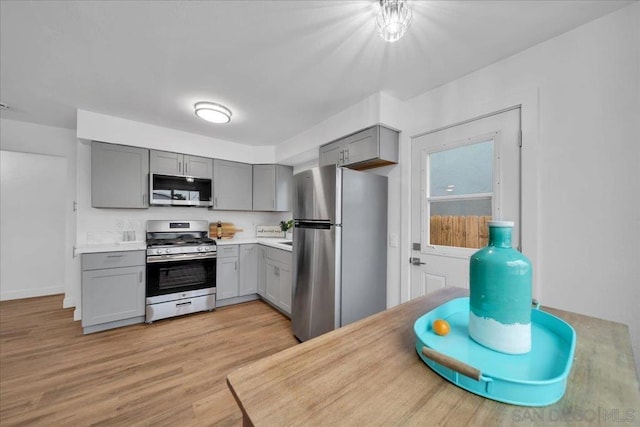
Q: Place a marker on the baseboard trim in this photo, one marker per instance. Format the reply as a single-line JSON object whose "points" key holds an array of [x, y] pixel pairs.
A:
{"points": [[31, 293], [68, 302]]}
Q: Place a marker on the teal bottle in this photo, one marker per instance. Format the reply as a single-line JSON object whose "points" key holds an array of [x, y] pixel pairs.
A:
{"points": [[500, 294]]}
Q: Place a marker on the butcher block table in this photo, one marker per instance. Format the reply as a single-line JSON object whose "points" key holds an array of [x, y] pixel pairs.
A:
{"points": [[368, 373]]}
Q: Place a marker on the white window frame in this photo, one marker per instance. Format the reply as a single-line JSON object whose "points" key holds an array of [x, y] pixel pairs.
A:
{"points": [[453, 251]]}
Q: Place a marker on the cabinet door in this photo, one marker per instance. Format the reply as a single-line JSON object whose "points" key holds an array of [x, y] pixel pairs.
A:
{"points": [[248, 269], [262, 271], [264, 187], [119, 176], [227, 277], [286, 281], [166, 162], [272, 285], [331, 154], [199, 167], [112, 294], [284, 188], [232, 185], [361, 146]]}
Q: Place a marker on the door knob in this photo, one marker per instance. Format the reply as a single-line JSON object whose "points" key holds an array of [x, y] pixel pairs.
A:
{"points": [[416, 261]]}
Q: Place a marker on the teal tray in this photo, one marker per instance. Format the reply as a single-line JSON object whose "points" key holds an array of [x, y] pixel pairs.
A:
{"points": [[538, 378]]}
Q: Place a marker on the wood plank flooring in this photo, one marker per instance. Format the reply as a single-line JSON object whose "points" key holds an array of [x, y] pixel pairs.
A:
{"points": [[172, 372]]}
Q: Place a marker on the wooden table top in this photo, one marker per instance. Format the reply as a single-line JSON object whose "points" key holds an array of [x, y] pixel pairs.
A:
{"points": [[368, 373]]}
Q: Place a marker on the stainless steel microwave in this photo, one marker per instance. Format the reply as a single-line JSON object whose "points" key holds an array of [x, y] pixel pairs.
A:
{"points": [[179, 190]]}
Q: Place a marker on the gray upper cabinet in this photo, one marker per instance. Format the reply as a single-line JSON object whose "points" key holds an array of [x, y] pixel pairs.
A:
{"points": [[369, 148], [119, 176], [198, 167], [169, 163], [165, 162], [272, 187], [232, 185]]}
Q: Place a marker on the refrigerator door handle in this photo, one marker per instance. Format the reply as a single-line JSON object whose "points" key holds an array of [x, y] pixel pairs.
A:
{"points": [[313, 224]]}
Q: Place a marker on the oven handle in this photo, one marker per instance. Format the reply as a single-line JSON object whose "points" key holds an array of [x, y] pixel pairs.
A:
{"points": [[180, 257]]}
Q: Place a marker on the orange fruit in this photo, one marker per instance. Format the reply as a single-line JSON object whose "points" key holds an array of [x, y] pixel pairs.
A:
{"points": [[441, 327]]}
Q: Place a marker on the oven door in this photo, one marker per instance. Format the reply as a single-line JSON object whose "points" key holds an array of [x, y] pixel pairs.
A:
{"points": [[169, 275]]}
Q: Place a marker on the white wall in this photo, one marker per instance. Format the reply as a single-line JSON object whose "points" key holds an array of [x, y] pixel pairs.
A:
{"points": [[30, 138], [32, 224], [101, 127], [580, 99], [587, 181]]}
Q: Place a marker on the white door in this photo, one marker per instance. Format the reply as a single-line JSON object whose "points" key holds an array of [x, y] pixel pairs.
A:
{"points": [[462, 176]]}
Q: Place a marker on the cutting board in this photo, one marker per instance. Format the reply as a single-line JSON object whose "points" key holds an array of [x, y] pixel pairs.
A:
{"points": [[228, 230]]}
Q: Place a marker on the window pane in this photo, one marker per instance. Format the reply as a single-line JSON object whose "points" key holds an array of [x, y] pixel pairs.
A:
{"points": [[477, 207], [462, 170], [462, 231]]}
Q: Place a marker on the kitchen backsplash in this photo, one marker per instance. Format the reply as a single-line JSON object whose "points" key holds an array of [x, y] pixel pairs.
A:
{"points": [[100, 226]]}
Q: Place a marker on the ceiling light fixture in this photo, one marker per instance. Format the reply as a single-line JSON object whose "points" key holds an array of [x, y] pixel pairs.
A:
{"points": [[212, 112], [393, 19]]}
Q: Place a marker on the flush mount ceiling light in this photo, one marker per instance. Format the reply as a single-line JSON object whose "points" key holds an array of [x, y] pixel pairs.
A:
{"points": [[393, 19], [212, 112]]}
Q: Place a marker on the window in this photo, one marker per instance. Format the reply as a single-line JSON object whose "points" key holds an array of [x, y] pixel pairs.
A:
{"points": [[460, 194]]}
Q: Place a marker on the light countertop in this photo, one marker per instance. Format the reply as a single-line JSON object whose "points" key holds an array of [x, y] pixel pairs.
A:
{"points": [[369, 370], [274, 242], [112, 247], [140, 246]]}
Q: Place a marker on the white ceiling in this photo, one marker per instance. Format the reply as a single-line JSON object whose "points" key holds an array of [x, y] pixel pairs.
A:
{"points": [[281, 66]]}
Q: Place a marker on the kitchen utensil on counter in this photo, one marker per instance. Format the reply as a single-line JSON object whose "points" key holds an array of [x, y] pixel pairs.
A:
{"points": [[227, 230]]}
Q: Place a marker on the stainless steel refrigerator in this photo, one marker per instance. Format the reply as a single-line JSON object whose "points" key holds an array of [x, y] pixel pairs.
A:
{"points": [[339, 249]]}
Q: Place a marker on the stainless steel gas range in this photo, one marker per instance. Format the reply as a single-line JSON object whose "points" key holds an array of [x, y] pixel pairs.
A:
{"points": [[181, 269]]}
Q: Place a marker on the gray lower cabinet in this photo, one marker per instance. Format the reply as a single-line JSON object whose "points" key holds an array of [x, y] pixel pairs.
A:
{"points": [[278, 279], [369, 148], [244, 270], [232, 185], [262, 271], [119, 176], [227, 273], [113, 290], [272, 188], [248, 281], [236, 273]]}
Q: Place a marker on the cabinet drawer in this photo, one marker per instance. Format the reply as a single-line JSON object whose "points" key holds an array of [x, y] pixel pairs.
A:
{"points": [[102, 260], [225, 251], [279, 255]]}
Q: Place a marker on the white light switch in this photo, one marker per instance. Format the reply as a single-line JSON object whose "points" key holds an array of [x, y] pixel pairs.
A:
{"points": [[393, 240]]}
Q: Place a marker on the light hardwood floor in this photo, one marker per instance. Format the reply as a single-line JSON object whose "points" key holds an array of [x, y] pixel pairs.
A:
{"points": [[172, 372]]}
